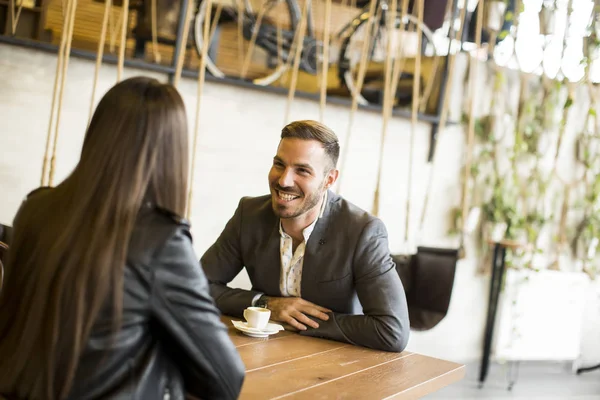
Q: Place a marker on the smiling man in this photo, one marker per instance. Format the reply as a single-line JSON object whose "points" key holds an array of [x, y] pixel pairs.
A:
{"points": [[319, 263]]}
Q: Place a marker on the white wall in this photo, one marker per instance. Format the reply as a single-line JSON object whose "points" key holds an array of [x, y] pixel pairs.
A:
{"points": [[239, 134]]}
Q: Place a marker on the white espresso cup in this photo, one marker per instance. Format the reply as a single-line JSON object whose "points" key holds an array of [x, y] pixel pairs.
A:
{"points": [[257, 317]]}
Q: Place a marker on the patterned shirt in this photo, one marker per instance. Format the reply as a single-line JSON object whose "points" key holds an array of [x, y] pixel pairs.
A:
{"points": [[292, 261]]}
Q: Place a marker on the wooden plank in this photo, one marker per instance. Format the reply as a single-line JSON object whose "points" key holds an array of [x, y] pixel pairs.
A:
{"points": [[88, 20], [293, 376], [288, 348], [406, 378]]}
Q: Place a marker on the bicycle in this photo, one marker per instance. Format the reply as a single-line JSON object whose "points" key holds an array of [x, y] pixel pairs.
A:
{"points": [[276, 42]]}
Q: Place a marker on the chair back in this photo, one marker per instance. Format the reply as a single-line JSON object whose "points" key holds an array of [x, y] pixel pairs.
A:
{"points": [[428, 280]]}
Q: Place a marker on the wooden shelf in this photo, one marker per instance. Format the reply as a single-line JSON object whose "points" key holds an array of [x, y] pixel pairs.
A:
{"points": [[31, 21]]}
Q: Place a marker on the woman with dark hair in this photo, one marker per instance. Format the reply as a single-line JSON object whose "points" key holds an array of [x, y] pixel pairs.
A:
{"points": [[103, 294]]}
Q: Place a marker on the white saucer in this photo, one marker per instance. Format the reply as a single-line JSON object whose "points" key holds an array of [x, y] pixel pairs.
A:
{"points": [[270, 329]]}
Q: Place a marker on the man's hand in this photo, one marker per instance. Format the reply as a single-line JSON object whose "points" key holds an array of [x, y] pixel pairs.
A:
{"points": [[294, 310]]}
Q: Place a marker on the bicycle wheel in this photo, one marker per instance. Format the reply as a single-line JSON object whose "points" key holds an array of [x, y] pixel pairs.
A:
{"points": [[226, 63], [349, 57]]}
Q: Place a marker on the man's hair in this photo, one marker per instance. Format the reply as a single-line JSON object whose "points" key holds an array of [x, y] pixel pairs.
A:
{"points": [[313, 130]]}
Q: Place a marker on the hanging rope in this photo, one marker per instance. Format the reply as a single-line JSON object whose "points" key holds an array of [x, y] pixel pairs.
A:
{"points": [[154, 24], [186, 29], [562, 225], [215, 21], [201, 78], [57, 78], [413, 121], [563, 127], [240, 32], [568, 186], [451, 61], [325, 63], [57, 93], [261, 14], [279, 43], [389, 97], [388, 93], [429, 84], [65, 68], [471, 128], [362, 69], [123, 44], [99, 54], [296, 67], [15, 20], [443, 117], [112, 29], [436, 64], [562, 229], [400, 59], [588, 180]]}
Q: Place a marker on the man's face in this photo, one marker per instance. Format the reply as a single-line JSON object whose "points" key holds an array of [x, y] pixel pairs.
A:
{"points": [[300, 174]]}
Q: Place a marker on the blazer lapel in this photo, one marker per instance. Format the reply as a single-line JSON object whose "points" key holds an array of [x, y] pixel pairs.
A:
{"points": [[316, 244]]}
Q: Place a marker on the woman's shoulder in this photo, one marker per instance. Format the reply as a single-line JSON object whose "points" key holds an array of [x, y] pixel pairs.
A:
{"points": [[154, 227], [36, 194], [41, 189], [31, 202], [168, 216], [159, 217]]}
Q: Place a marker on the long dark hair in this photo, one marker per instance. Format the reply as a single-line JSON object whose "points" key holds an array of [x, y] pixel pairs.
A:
{"points": [[68, 254]]}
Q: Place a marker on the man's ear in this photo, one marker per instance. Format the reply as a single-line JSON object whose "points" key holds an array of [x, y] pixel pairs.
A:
{"points": [[331, 177]]}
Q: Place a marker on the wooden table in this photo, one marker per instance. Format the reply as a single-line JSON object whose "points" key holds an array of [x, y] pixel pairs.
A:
{"points": [[287, 365]]}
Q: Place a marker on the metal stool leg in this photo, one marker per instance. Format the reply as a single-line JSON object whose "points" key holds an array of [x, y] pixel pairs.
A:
{"points": [[495, 288]]}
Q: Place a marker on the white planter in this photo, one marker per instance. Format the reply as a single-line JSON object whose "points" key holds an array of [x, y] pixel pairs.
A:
{"points": [[589, 354], [495, 15], [541, 315]]}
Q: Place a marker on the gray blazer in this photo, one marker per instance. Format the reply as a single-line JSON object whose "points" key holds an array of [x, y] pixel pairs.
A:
{"points": [[347, 268]]}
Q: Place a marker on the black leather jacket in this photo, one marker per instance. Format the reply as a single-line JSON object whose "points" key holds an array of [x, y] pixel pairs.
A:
{"points": [[171, 341]]}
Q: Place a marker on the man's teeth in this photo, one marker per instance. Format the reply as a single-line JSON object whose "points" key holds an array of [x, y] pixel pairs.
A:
{"points": [[286, 197]]}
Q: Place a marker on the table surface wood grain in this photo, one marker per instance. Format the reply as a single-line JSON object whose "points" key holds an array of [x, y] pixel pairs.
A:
{"points": [[287, 365]]}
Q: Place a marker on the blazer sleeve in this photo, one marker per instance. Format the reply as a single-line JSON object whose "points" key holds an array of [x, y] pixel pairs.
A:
{"points": [[222, 262], [385, 324], [190, 323]]}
